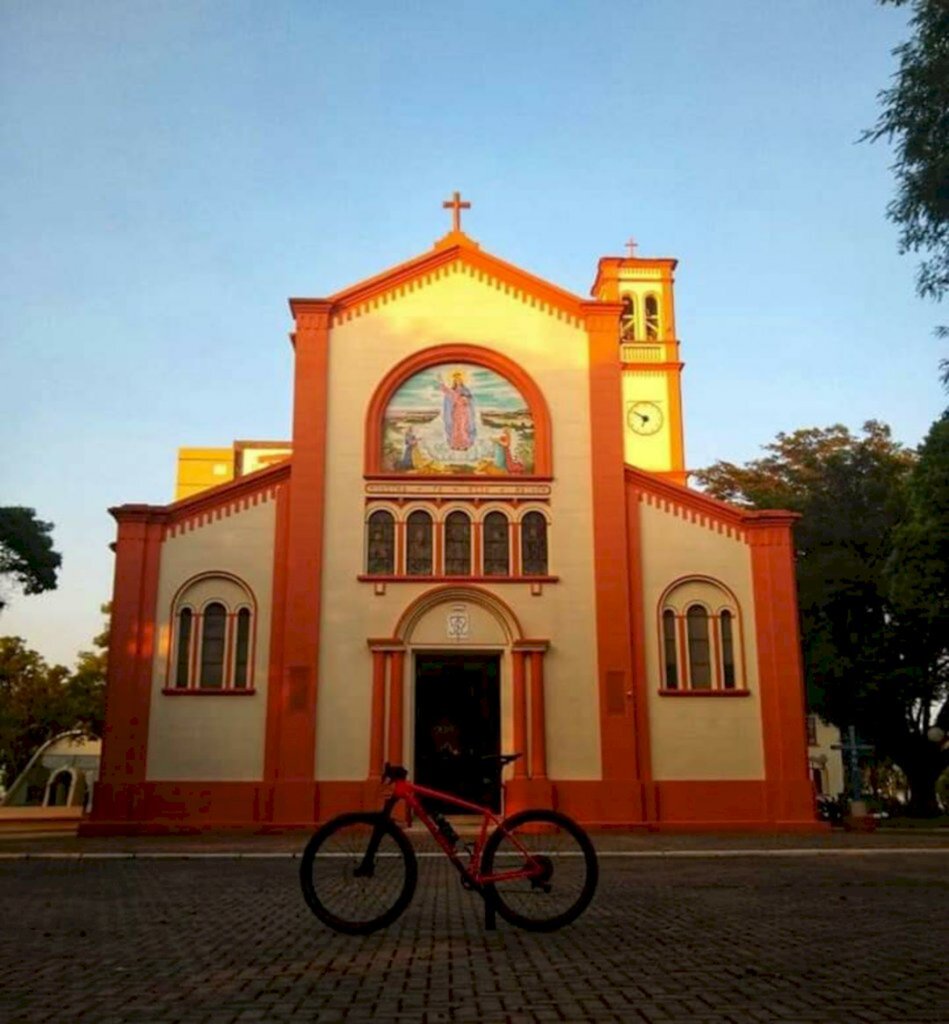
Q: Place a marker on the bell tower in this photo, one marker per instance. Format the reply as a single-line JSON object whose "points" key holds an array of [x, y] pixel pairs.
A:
{"points": [[649, 354]]}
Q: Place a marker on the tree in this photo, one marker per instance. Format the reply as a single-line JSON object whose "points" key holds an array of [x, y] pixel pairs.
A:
{"points": [[38, 701], [918, 588], [863, 664], [914, 120], [26, 551]]}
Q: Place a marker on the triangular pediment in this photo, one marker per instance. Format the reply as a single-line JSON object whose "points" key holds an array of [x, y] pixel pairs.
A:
{"points": [[454, 253]]}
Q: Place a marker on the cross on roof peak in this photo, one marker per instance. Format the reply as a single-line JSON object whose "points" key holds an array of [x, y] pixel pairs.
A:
{"points": [[456, 205], [631, 245]]}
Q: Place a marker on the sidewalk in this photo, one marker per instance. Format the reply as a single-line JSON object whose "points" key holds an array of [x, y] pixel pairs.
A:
{"points": [[46, 843]]}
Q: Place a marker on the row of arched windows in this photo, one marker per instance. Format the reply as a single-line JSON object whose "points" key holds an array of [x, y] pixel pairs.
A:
{"points": [[213, 636], [700, 639], [460, 544], [630, 327]]}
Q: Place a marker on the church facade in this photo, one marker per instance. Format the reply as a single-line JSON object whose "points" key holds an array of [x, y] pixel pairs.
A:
{"points": [[478, 540]]}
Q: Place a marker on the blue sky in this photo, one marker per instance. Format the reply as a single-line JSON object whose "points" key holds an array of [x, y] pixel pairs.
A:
{"points": [[173, 171]]}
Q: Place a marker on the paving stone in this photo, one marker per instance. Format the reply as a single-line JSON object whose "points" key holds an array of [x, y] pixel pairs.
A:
{"points": [[741, 940]]}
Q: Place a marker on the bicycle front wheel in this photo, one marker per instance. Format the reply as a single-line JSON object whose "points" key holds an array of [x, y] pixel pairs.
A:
{"points": [[562, 861], [349, 885]]}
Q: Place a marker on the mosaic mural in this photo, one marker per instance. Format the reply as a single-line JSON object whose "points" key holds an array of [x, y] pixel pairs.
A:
{"points": [[458, 418]]}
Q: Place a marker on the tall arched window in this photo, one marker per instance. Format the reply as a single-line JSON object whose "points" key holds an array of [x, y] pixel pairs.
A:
{"points": [[534, 544], [457, 544], [418, 560], [212, 649], [651, 306], [497, 560], [670, 649], [242, 649], [728, 651], [380, 546], [213, 634], [627, 319], [700, 662], [183, 659]]}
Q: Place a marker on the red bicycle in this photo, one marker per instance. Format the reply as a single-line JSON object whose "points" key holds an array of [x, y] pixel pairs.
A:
{"points": [[537, 868]]}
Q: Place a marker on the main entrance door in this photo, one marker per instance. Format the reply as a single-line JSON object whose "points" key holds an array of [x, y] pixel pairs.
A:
{"points": [[458, 725]]}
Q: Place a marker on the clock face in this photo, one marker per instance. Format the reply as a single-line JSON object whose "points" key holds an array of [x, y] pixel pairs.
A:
{"points": [[644, 417]]}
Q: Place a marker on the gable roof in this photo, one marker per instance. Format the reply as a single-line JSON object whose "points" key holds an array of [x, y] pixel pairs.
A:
{"points": [[455, 251]]}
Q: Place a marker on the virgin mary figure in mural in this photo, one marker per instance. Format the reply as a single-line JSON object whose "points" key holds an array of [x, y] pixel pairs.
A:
{"points": [[458, 413]]}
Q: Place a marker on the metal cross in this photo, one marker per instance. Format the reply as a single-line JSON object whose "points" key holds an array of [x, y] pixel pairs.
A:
{"points": [[456, 206], [631, 246]]}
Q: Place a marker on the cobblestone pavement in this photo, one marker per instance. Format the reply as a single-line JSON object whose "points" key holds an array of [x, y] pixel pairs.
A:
{"points": [[745, 939]]}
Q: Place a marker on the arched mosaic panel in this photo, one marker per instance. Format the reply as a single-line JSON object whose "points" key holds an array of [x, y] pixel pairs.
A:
{"points": [[458, 419]]}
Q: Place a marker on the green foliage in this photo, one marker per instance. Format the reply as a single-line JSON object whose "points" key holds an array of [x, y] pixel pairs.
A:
{"points": [[39, 701], [26, 551], [868, 588], [914, 120]]}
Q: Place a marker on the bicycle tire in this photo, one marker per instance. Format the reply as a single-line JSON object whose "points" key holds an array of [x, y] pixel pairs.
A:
{"points": [[337, 895], [574, 870]]}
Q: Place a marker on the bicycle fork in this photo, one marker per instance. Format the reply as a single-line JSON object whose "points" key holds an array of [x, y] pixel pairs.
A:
{"points": [[368, 865]]}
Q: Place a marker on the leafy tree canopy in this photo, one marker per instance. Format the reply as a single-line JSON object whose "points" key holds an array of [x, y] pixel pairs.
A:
{"points": [[38, 701], [915, 120], [868, 659], [26, 551]]}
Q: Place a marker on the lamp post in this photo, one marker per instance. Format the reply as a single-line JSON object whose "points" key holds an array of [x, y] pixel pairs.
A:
{"points": [[858, 816]]}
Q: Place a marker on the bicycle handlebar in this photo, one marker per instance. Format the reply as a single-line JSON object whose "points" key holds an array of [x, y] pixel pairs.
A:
{"points": [[394, 773]]}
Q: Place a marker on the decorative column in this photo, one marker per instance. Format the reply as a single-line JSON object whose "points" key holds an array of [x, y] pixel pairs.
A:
{"points": [[396, 706], [295, 791], [529, 786], [129, 682], [610, 553], [520, 714], [377, 714], [780, 672], [538, 718]]}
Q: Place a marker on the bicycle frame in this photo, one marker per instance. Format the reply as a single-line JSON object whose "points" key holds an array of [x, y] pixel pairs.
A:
{"points": [[471, 874]]}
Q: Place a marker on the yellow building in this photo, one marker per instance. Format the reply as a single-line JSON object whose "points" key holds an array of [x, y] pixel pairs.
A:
{"points": [[477, 539]]}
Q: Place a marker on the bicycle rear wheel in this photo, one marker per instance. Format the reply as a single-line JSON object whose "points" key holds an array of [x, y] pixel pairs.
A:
{"points": [[348, 887], [567, 882]]}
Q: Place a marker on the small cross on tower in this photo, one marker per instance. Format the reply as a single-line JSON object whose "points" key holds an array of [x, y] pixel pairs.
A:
{"points": [[456, 206], [631, 244]]}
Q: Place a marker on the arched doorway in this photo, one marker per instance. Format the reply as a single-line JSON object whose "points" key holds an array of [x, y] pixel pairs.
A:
{"points": [[57, 795]]}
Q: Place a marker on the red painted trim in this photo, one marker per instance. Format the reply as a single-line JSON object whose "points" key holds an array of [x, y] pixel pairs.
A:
{"points": [[485, 357], [296, 747], [377, 714], [538, 717], [703, 693], [366, 578], [195, 691], [277, 628], [519, 710], [611, 543], [131, 643], [396, 705], [780, 672], [637, 606], [456, 247], [454, 592]]}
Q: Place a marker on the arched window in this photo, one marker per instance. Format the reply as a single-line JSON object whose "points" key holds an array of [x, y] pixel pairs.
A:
{"points": [[728, 651], [183, 659], [670, 649], [627, 319], [418, 560], [700, 662], [651, 306], [212, 646], [242, 649], [534, 544], [496, 545], [457, 544], [380, 547]]}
